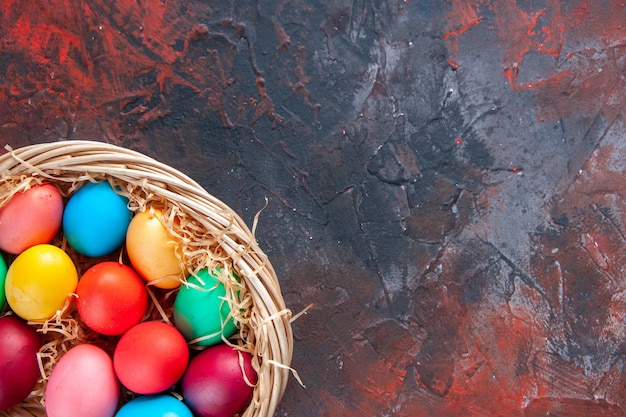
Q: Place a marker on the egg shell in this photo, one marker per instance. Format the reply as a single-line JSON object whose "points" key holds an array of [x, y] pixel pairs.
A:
{"points": [[154, 406], [82, 384], [39, 282], [3, 275], [19, 369], [214, 384], [200, 309], [111, 298], [150, 357], [95, 219], [31, 217], [152, 250]]}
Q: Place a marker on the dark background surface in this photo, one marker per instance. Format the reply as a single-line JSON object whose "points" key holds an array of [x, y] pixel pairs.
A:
{"points": [[445, 179]]}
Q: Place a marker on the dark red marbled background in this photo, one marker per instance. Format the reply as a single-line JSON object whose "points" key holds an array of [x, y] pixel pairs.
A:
{"points": [[445, 179]]}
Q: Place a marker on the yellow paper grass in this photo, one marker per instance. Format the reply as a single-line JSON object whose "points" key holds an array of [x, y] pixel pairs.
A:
{"points": [[209, 235]]}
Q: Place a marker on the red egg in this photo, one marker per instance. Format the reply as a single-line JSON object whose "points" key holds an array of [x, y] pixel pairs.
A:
{"points": [[31, 217], [214, 384], [19, 369], [111, 298], [151, 357]]}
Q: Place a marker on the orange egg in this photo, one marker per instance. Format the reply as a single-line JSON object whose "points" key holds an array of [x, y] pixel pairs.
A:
{"points": [[152, 250]]}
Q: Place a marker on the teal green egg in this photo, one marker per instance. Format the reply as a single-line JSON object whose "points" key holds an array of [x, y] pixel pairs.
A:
{"points": [[3, 275], [200, 309], [154, 406]]}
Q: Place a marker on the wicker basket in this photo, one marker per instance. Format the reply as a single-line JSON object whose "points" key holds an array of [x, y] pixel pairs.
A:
{"points": [[268, 330]]}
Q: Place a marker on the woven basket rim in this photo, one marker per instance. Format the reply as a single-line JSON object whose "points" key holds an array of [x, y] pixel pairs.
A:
{"points": [[82, 160]]}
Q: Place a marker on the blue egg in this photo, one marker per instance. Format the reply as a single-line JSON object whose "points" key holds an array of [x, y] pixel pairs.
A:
{"points": [[95, 219], [154, 406]]}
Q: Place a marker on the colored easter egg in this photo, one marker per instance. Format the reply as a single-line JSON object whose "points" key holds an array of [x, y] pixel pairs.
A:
{"points": [[82, 384], [19, 369], [3, 275], [219, 382], [152, 250], [150, 357], [39, 282], [154, 406], [95, 219], [111, 298], [200, 310], [31, 217]]}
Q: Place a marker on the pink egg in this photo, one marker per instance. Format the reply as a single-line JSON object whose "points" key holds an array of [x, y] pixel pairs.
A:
{"points": [[82, 384], [30, 218], [214, 384]]}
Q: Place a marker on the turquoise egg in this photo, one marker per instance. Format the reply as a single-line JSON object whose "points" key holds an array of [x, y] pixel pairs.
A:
{"points": [[154, 406], [3, 275], [95, 219], [200, 309]]}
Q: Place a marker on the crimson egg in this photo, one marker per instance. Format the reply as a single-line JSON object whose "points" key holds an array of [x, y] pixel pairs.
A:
{"points": [[19, 369]]}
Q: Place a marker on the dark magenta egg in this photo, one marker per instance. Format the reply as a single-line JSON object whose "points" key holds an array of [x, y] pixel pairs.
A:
{"points": [[219, 382]]}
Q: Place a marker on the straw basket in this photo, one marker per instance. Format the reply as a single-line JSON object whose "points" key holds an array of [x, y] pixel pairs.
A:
{"points": [[220, 234]]}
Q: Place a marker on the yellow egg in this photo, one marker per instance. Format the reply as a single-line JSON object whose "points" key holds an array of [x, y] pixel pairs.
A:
{"points": [[152, 250], [39, 282]]}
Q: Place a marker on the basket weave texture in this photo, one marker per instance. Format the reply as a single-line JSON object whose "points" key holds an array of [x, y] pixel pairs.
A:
{"points": [[268, 328]]}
